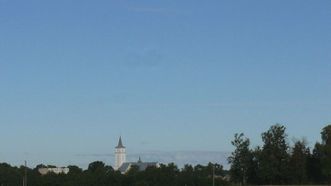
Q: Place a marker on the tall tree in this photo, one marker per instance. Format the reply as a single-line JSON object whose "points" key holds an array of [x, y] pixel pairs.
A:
{"points": [[326, 153], [274, 158], [240, 159], [314, 166], [253, 176], [298, 162]]}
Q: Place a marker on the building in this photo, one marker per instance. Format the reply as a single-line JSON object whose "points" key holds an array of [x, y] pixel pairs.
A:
{"points": [[120, 154], [55, 170], [123, 166]]}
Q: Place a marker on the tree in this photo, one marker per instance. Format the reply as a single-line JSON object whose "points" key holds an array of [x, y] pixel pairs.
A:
{"points": [[298, 162], [274, 158], [187, 176], [96, 166], [10, 175], [252, 175], [326, 135], [240, 159], [314, 166], [326, 153], [97, 173]]}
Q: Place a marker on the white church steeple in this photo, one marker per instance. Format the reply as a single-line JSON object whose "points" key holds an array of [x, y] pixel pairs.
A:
{"points": [[120, 154]]}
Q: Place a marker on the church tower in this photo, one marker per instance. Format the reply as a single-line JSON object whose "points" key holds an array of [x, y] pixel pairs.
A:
{"points": [[120, 154]]}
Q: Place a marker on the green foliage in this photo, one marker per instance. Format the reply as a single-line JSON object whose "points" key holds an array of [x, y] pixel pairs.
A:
{"points": [[326, 135], [314, 169], [325, 152], [278, 163], [274, 156], [98, 174], [241, 159], [298, 163]]}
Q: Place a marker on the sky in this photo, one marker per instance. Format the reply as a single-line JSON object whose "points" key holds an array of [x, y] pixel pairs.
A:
{"points": [[167, 75]]}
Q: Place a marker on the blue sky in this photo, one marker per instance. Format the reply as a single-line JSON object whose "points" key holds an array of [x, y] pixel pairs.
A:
{"points": [[166, 75]]}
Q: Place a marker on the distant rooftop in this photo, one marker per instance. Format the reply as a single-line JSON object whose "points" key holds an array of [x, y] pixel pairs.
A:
{"points": [[140, 164]]}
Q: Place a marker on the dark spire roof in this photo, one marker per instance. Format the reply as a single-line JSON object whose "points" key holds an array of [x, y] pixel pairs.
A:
{"points": [[120, 144], [139, 161]]}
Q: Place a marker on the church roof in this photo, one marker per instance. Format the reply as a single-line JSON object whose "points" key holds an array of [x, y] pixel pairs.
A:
{"points": [[141, 165], [120, 144]]}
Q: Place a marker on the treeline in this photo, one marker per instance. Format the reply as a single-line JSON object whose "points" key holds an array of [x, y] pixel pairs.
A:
{"points": [[99, 174], [276, 162]]}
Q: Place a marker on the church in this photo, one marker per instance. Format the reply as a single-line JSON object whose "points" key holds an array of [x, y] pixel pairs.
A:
{"points": [[123, 166]]}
